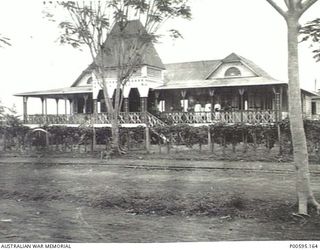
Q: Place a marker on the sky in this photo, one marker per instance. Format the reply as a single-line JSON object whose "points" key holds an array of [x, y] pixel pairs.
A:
{"points": [[250, 28]]}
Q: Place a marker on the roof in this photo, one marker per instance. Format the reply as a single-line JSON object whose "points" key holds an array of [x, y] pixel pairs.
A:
{"points": [[311, 93], [185, 75], [233, 57], [190, 70], [62, 91], [196, 74], [259, 71], [83, 73], [233, 82], [132, 29]]}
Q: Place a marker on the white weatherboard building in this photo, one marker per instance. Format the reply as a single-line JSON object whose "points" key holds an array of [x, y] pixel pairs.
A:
{"points": [[231, 90]]}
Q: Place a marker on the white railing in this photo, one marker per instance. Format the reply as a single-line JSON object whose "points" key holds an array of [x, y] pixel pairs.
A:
{"points": [[100, 118], [246, 116]]}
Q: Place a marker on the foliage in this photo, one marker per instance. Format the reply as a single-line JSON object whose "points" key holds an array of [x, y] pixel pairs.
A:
{"points": [[221, 133], [183, 134], [21, 136], [9, 117], [311, 32], [4, 41]]}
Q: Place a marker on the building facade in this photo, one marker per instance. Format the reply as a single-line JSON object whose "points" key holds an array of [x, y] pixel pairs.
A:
{"points": [[229, 90]]}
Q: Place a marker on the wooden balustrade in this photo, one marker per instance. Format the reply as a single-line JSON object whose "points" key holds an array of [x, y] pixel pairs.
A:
{"points": [[247, 116], [101, 118]]}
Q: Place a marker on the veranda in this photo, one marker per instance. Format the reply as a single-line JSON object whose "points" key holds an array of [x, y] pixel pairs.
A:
{"points": [[249, 105]]}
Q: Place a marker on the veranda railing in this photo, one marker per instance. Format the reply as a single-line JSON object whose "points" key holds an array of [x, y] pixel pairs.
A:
{"points": [[247, 116], [100, 118]]}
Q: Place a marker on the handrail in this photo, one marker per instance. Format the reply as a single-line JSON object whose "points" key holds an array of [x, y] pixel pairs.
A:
{"points": [[153, 120]]}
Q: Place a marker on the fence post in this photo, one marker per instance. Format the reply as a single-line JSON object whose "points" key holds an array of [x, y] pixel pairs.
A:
{"points": [[254, 138], [147, 139], [223, 144], [159, 144], [168, 143], [128, 140], [212, 144], [94, 141], [2, 146], [209, 140], [47, 140], [279, 138], [245, 141]]}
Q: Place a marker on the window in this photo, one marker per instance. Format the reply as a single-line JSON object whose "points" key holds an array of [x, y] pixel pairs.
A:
{"points": [[232, 72], [89, 81]]}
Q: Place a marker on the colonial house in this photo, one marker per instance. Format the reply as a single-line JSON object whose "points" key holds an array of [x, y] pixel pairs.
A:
{"points": [[230, 90]]}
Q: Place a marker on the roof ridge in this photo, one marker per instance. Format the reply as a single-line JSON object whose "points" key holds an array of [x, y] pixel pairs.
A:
{"points": [[197, 61], [233, 57]]}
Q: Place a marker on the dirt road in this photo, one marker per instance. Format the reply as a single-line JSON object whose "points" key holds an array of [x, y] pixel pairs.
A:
{"points": [[46, 200]]}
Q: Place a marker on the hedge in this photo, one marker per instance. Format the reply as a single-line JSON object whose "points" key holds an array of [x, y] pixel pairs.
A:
{"points": [[62, 138]]}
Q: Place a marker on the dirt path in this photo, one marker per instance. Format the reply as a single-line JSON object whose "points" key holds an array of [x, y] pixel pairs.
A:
{"points": [[72, 200]]}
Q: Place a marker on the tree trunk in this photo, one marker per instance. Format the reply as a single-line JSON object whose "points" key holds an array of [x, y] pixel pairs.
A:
{"points": [[300, 152], [147, 139]]}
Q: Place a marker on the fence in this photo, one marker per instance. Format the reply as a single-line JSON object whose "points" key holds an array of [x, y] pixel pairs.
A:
{"points": [[237, 137]]}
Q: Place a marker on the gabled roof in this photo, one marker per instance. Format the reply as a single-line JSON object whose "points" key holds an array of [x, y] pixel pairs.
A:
{"points": [[201, 70], [256, 69], [196, 74], [233, 57], [59, 91], [88, 70]]}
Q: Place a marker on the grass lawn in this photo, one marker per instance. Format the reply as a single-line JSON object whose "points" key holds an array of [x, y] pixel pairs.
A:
{"points": [[46, 201]]}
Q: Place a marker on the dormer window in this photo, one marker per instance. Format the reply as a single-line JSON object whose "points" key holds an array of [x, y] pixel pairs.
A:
{"points": [[89, 81], [232, 72]]}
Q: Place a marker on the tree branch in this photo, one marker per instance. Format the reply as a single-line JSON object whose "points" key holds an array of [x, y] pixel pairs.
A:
{"points": [[277, 8], [307, 4], [287, 2]]}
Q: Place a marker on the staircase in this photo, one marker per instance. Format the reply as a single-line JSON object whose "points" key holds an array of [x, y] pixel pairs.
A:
{"points": [[153, 121]]}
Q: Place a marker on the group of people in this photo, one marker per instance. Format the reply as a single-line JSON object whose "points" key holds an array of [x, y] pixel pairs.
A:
{"points": [[208, 107]]}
